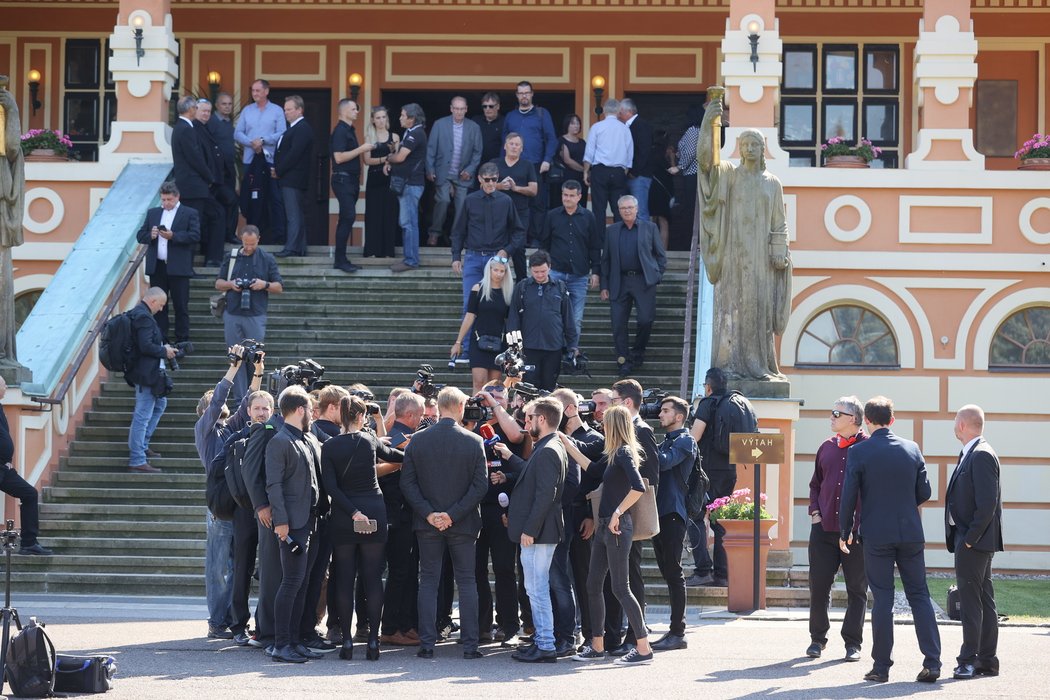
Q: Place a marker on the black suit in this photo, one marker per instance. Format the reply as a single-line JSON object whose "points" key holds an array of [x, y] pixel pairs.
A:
{"points": [[292, 162], [173, 274], [195, 176], [628, 288], [973, 525], [221, 131], [888, 474]]}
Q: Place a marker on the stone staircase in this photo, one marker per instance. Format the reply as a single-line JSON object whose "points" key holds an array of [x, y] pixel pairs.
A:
{"points": [[117, 532]]}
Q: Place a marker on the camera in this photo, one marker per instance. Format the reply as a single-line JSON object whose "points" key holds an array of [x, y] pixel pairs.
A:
{"points": [[510, 360], [181, 350], [306, 373], [651, 400], [476, 410], [586, 409], [244, 285], [251, 351], [9, 537], [369, 398], [530, 391], [425, 382]]}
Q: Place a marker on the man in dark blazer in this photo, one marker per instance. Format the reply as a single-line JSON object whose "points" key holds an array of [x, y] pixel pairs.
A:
{"points": [[444, 477], [293, 458], [633, 263], [220, 193], [172, 232], [640, 176], [535, 519], [888, 474], [220, 126], [291, 167], [973, 528], [193, 173], [145, 373], [451, 172]]}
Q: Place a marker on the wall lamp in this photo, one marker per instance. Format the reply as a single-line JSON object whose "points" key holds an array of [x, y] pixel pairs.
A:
{"points": [[137, 22], [598, 85], [752, 28], [355, 80], [214, 84], [34, 89]]}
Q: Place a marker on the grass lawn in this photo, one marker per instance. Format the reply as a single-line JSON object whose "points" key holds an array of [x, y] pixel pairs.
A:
{"points": [[1023, 600]]}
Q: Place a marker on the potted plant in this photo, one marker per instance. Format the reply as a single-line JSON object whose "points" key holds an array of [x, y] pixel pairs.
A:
{"points": [[839, 154], [1034, 154], [45, 144], [735, 513]]}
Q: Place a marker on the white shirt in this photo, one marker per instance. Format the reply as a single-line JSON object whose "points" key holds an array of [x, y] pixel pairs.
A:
{"points": [[281, 137], [609, 142], [166, 218]]}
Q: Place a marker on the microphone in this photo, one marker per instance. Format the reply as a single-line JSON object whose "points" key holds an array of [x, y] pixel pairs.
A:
{"points": [[488, 434], [490, 438], [504, 501]]}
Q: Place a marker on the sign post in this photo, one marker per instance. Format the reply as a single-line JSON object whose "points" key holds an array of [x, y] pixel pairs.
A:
{"points": [[757, 449]]}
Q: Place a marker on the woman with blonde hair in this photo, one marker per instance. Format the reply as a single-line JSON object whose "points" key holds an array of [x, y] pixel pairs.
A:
{"points": [[486, 321], [380, 202]]}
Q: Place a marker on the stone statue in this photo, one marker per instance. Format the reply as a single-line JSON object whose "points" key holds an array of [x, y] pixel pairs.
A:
{"points": [[12, 205], [743, 240]]}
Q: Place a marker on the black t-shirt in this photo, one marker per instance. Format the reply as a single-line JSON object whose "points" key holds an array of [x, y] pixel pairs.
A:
{"points": [[620, 477], [415, 140], [523, 172], [491, 314], [344, 138], [705, 411]]}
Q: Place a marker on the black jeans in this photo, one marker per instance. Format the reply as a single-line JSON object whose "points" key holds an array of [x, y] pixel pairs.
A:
{"points": [[493, 541], [548, 367], [321, 543], [178, 289], [245, 547], [668, 548], [825, 557], [722, 484], [346, 189], [402, 580], [432, 546], [270, 575], [291, 594], [580, 561], [610, 554], [29, 512], [360, 562], [608, 184]]}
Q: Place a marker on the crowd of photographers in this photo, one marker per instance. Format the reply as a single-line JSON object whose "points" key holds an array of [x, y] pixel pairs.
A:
{"points": [[318, 492]]}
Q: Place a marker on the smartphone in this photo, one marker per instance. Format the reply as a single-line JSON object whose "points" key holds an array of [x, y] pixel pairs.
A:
{"points": [[162, 227], [366, 527]]}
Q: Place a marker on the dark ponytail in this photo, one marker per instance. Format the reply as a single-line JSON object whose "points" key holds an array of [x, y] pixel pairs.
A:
{"points": [[350, 407]]}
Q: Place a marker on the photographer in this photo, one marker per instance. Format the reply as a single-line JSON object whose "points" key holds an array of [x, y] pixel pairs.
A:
{"points": [[147, 375], [248, 283], [15, 486], [542, 311]]}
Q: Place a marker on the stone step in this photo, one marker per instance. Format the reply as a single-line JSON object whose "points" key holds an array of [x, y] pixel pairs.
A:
{"points": [[107, 583], [112, 563], [93, 532], [129, 546], [144, 496], [123, 513], [68, 478]]}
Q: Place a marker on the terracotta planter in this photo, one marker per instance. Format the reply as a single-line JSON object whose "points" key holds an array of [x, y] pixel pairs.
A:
{"points": [[1034, 164], [739, 544], [45, 155], [845, 162]]}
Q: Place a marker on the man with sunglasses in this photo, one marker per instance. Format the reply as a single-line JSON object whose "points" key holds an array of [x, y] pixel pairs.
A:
{"points": [[490, 121], [825, 557]]}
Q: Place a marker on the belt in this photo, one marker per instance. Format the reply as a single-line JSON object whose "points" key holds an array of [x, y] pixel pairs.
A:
{"points": [[339, 174], [486, 253], [631, 273], [613, 167]]}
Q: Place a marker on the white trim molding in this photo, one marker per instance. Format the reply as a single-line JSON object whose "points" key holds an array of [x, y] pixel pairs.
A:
{"points": [[858, 231], [919, 159], [908, 202], [58, 211], [1024, 221]]}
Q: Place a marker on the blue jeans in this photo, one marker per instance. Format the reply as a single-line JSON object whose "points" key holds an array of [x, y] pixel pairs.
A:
{"points": [[144, 419], [561, 591], [536, 566], [577, 286], [639, 187], [408, 218], [218, 570], [473, 271]]}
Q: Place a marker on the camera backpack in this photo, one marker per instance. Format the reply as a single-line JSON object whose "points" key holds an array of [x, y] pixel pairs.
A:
{"points": [[733, 414], [217, 494], [31, 662], [84, 674], [696, 492], [236, 451], [954, 603], [115, 343]]}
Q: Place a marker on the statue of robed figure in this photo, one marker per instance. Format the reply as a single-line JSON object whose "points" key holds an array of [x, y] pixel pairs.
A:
{"points": [[12, 206]]}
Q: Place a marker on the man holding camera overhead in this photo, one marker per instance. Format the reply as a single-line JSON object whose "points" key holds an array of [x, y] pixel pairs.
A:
{"points": [[248, 275], [542, 311]]}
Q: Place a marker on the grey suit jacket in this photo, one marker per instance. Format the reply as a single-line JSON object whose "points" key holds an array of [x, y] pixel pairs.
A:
{"points": [[445, 472], [439, 150], [650, 252], [535, 503], [291, 477]]}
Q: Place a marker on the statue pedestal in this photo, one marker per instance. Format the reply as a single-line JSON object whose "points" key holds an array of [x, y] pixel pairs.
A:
{"points": [[14, 373], [756, 389]]}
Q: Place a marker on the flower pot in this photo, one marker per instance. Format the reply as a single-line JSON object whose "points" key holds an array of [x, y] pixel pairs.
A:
{"points": [[1034, 164], [740, 553], [45, 155], [845, 162]]}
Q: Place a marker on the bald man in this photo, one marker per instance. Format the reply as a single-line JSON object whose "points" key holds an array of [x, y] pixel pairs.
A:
{"points": [[147, 375], [973, 515]]}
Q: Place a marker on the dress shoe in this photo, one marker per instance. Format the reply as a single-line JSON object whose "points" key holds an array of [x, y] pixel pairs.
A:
{"points": [[698, 580], [535, 655], [876, 676], [471, 655], [390, 638], [625, 369], [152, 454], [372, 651], [621, 650], [40, 550], [402, 266], [524, 649], [813, 650], [425, 653], [852, 653], [346, 652], [283, 254], [964, 672], [219, 633], [348, 267], [928, 675], [985, 671], [144, 468], [301, 650], [288, 655], [670, 642], [564, 648]]}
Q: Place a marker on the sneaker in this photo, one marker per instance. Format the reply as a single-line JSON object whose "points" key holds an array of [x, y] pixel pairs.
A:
{"points": [[698, 580], [634, 658], [219, 633], [320, 645], [242, 639], [587, 653], [254, 641], [462, 360], [402, 267]]}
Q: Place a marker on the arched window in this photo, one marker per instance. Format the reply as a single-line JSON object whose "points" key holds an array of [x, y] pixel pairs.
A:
{"points": [[1023, 340], [24, 303], [847, 336]]}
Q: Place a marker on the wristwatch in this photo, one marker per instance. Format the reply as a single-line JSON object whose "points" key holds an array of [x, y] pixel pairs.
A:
{"points": [[617, 511], [267, 286]]}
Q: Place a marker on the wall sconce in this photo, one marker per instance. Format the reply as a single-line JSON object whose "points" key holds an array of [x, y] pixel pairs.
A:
{"points": [[598, 85], [752, 28], [355, 80], [34, 89], [214, 84], [137, 22]]}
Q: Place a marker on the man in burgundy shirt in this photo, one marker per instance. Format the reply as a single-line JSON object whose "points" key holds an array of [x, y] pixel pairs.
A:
{"points": [[825, 490]]}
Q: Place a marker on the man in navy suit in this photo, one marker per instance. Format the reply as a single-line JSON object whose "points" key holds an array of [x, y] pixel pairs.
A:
{"points": [[888, 474], [633, 263], [973, 528], [193, 173], [171, 231], [291, 166]]}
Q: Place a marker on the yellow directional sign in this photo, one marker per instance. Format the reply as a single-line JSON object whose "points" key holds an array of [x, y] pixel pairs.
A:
{"points": [[756, 448]]}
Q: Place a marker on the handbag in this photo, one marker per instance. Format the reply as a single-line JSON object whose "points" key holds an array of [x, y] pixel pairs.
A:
{"points": [[217, 302], [643, 512], [84, 674], [556, 174], [398, 184], [488, 343]]}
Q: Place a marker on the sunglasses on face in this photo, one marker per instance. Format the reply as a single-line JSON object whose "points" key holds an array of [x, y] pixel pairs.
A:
{"points": [[839, 414], [488, 106], [490, 179]]}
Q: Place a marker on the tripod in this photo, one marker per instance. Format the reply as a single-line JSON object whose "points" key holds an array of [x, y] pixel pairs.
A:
{"points": [[9, 541]]}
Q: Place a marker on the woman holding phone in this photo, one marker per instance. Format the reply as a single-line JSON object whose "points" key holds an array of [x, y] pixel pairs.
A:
{"points": [[358, 521]]}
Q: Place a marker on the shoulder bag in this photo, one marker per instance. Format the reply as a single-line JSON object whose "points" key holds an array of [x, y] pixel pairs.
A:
{"points": [[217, 302], [643, 512]]}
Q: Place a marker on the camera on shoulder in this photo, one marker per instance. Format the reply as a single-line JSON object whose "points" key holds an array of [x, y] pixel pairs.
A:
{"points": [[651, 401]]}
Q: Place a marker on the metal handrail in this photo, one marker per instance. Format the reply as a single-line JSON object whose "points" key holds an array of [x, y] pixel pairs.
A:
{"points": [[690, 293], [59, 395]]}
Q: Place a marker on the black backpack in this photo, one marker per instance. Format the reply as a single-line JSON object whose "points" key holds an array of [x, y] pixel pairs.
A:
{"points": [[696, 494], [237, 456], [733, 414], [31, 662], [115, 343], [220, 501]]}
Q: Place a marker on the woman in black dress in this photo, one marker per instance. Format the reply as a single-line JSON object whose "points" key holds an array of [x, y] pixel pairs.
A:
{"points": [[517, 177], [348, 469], [380, 203], [486, 315], [571, 148]]}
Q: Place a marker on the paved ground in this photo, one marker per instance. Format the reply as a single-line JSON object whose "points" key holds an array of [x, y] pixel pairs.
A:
{"points": [[161, 653]]}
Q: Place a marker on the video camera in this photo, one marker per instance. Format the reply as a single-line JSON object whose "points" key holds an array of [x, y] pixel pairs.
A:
{"points": [[243, 285], [651, 401], [307, 373], [424, 383], [510, 360], [476, 410], [530, 391], [9, 537], [585, 410], [181, 350], [370, 400], [251, 351]]}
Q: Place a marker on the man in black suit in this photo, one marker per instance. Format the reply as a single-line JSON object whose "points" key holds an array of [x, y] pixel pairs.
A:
{"points": [[887, 473], [444, 477], [633, 263], [171, 231], [973, 527], [535, 519], [291, 167], [220, 126], [194, 175], [640, 176], [145, 373]]}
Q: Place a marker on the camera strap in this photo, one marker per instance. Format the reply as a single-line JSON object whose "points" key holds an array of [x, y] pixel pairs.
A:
{"points": [[357, 444], [233, 259]]}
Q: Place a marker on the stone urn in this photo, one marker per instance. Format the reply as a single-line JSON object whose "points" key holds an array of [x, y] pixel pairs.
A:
{"points": [[845, 162], [45, 155], [1034, 164], [740, 554]]}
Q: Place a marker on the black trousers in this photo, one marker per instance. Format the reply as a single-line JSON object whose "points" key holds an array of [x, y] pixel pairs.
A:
{"points": [[580, 562], [825, 558], [346, 189], [212, 218], [360, 564], [230, 211], [15, 486], [668, 548], [432, 547], [911, 563], [245, 548], [548, 367], [321, 543], [980, 620], [608, 184], [722, 484], [634, 292], [493, 542], [402, 579], [178, 291], [291, 594], [270, 574]]}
